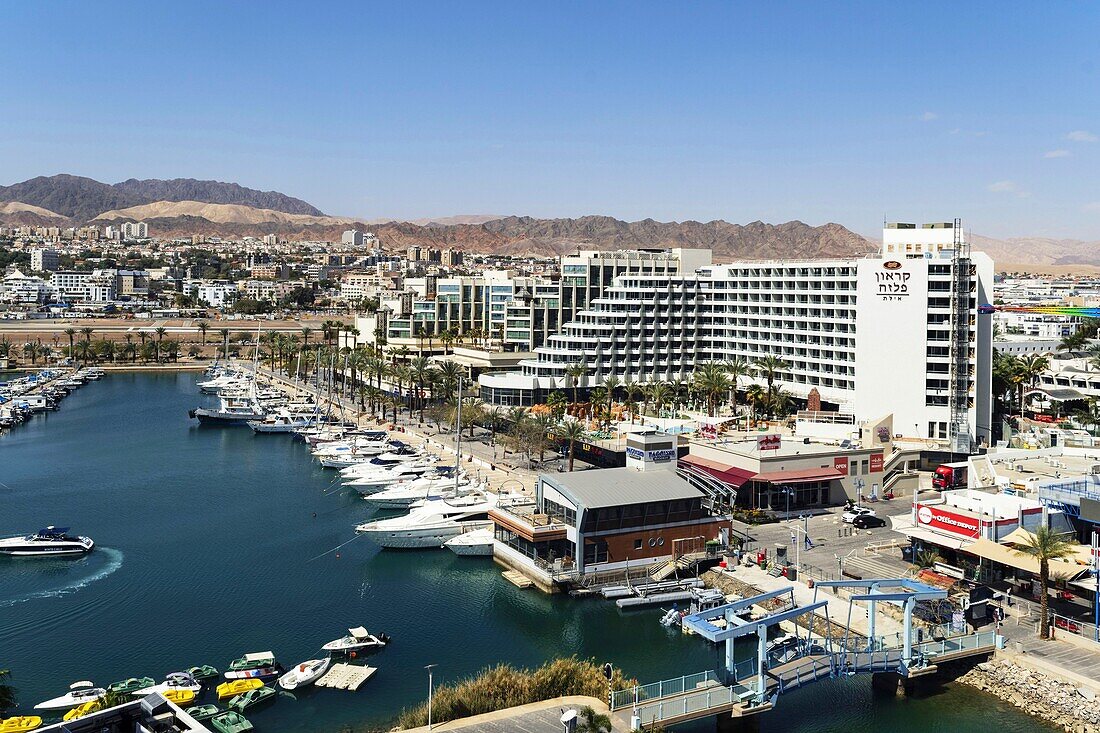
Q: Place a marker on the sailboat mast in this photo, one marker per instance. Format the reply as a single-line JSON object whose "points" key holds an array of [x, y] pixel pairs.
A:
{"points": [[458, 434]]}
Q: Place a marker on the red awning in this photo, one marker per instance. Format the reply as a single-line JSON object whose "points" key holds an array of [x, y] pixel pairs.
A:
{"points": [[799, 476], [731, 475]]}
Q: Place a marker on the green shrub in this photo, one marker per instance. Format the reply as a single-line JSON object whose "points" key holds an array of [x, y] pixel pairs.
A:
{"points": [[504, 686]]}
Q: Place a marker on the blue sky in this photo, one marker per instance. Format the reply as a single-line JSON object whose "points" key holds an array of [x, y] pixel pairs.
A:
{"points": [[823, 112]]}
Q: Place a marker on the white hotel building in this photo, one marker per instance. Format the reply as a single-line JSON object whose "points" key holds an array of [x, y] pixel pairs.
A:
{"points": [[873, 335]]}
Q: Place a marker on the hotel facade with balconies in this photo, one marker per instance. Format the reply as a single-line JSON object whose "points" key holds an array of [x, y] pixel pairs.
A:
{"points": [[872, 335]]}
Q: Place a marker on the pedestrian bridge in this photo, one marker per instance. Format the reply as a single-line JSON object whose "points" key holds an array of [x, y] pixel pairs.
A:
{"points": [[754, 685]]}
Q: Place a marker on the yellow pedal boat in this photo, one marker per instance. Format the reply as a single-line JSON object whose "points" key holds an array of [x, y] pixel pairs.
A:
{"points": [[20, 723], [83, 709], [233, 688], [181, 697]]}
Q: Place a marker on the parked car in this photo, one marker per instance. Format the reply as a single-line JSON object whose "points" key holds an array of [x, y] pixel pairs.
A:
{"points": [[868, 521], [856, 511]]}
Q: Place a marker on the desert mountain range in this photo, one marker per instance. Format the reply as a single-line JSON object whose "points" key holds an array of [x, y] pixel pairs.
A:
{"points": [[184, 206]]}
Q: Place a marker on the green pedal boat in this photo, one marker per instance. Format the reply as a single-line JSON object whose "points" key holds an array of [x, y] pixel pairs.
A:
{"points": [[252, 698], [230, 722], [204, 712], [125, 687], [204, 672]]}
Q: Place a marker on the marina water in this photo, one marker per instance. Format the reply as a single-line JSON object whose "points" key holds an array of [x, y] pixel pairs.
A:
{"points": [[213, 542]]}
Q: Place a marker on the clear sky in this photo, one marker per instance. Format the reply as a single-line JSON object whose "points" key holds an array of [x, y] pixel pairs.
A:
{"points": [[819, 111]]}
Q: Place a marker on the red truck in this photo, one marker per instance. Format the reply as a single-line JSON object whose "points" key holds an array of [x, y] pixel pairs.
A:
{"points": [[949, 476]]}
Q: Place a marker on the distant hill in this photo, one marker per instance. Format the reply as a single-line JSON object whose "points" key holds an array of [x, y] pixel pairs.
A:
{"points": [[82, 199], [1037, 251], [218, 214]]}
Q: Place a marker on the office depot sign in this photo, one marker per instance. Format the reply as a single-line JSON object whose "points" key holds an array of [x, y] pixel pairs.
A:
{"points": [[945, 521]]}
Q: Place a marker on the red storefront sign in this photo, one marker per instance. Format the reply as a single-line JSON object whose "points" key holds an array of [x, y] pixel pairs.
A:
{"points": [[876, 463], [946, 521], [841, 464]]}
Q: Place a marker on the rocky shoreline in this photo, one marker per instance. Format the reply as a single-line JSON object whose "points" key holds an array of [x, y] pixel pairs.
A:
{"points": [[1074, 708]]}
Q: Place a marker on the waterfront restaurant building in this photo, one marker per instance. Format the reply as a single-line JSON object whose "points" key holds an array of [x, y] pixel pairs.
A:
{"points": [[611, 519]]}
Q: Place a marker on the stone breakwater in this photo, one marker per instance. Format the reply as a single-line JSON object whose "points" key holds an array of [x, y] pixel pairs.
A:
{"points": [[1071, 707]]}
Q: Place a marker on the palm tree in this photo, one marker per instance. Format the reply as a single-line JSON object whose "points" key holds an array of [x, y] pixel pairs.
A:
{"points": [[30, 349], [610, 384], [574, 373], [420, 370], [202, 326], [129, 350], [225, 341], [71, 333], [160, 331], [87, 333], [711, 379], [449, 373], [769, 367], [570, 431], [593, 722], [306, 331], [660, 393], [737, 369], [1030, 367], [757, 396], [1045, 545]]}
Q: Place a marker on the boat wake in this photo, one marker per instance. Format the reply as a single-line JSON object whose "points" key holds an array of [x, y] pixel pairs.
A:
{"points": [[114, 562]]}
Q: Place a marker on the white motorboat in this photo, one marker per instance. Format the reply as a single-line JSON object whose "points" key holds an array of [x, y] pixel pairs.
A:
{"points": [[376, 480], [355, 446], [286, 421], [357, 638], [232, 410], [174, 681], [478, 543], [403, 494], [48, 542], [306, 673], [431, 523], [79, 693]]}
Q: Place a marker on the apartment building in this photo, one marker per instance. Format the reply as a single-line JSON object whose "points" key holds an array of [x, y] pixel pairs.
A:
{"points": [[135, 230], [96, 286], [522, 312], [898, 352], [44, 260]]}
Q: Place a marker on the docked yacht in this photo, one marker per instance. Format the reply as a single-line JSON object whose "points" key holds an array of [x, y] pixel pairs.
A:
{"points": [[433, 522], [231, 411], [403, 494], [47, 542], [373, 481], [478, 543]]}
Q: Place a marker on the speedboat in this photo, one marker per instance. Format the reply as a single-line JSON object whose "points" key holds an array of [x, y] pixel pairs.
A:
{"points": [[78, 694], [403, 494], [478, 543], [174, 681], [305, 673], [357, 638], [231, 411], [50, 541], [433, 522]]}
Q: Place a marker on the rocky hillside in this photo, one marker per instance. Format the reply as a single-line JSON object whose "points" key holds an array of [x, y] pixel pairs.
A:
{"points": [[82, 199], [1037, 251]]}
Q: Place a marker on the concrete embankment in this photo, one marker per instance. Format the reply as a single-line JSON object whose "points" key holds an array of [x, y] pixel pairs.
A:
{"points": [[1072, 706]]}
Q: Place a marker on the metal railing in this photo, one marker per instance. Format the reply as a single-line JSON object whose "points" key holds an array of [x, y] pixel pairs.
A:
{"points": [[664, 688]]}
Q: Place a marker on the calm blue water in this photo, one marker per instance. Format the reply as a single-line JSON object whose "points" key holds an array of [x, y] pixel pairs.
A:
{"points": [[211, 543]]}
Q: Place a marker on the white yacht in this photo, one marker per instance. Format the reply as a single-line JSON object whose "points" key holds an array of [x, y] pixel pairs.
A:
{"points": [[478, 543], [403, 494], [79, 693], [47, 542], [359, 446], [432, 523], [381, 461], [369, 483], [231, 411]]}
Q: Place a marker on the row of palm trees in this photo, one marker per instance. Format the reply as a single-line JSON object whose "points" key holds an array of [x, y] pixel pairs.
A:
{"points": [[1014, 374], [87, 350]]}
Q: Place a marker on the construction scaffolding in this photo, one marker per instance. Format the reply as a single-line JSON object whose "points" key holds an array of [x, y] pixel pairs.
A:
{"points": [[959, 398]]}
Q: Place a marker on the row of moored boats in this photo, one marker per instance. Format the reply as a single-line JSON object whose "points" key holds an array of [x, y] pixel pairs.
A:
{"points": [[22, 397]]}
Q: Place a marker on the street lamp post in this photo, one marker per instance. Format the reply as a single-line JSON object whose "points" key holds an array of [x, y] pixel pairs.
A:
{"points": [[429, 668]]}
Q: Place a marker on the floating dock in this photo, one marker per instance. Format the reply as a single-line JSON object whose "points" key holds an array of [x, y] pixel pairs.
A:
{"points": [[517, 579], [346, 676]]}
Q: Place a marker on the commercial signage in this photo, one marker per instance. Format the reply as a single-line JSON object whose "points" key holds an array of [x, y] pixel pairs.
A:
{"points": [[769, 442], [656, 456], [946, 521], [876, 463], [893, 284], [840, 464]]}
